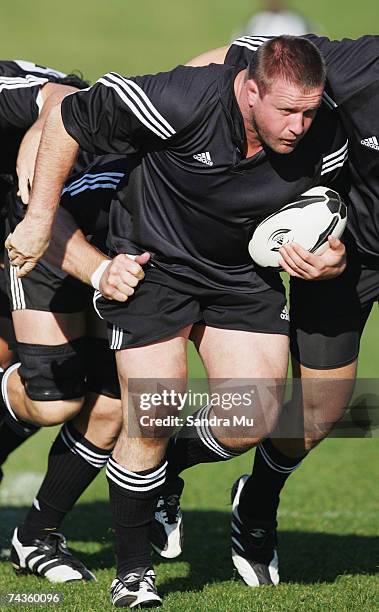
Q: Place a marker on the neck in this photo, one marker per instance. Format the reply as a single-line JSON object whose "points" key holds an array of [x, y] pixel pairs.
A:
{"points": [[254, 144]]}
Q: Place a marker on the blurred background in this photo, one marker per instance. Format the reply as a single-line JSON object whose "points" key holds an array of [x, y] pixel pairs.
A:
{"points": [[329, 508], [137, 37]]}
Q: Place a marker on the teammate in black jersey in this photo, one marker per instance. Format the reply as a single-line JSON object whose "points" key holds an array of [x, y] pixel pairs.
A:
{"points": [[82, 446], [216, 149], [27, 91], [327, 319], [65, 367]]}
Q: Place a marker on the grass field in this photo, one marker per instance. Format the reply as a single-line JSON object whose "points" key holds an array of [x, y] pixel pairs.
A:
{"points": [[329, 512], [328, 529]]}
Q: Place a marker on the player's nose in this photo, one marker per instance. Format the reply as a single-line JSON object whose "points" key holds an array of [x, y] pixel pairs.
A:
{"points": [[297, 124]]}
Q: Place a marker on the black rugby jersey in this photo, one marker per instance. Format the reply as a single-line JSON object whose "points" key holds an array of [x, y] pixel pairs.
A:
{"points": [[353, 88], [193, 198], [20, 103]]}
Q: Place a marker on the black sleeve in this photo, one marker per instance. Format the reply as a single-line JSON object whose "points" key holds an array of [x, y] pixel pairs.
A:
{"points": [[242, 50], [351, 64], [19, 95], [125, 115]]}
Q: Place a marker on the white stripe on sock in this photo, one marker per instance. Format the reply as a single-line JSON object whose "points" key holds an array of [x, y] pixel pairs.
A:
{"points": [[129, 487], [276, 466], [77, 448]]}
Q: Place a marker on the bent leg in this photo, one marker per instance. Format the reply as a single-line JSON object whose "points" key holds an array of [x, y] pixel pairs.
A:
{"points": [[237, 362], [81, 448], [319, 400], [136, 471], [325, 339], [249, 361], [48, 387]]}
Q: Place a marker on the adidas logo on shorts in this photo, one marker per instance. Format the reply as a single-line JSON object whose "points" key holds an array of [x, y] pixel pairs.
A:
{"points": [[371, 142], [285, 315]]}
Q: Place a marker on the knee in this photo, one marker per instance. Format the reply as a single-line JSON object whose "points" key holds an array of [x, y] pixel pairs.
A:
{"points": [[100, 420], [239, 445], [53, 373], [106, 411]]}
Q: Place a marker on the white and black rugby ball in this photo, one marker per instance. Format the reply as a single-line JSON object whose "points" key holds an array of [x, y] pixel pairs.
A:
{"points": [[316, 214]]}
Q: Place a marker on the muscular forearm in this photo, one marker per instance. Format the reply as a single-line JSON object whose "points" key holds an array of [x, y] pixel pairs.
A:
{"points": [[52, 94], [70, 251], [56, 156]]}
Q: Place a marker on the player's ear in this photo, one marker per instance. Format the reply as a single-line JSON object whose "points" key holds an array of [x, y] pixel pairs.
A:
{"points": [[252, 92]]}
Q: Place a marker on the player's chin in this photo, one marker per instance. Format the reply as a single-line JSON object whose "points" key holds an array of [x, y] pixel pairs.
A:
{"points": [[284, 147]]}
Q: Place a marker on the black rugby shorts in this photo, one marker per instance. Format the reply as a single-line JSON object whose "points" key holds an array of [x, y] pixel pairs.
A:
{"points": [[328, 317], [46, 289], [163, 304]]}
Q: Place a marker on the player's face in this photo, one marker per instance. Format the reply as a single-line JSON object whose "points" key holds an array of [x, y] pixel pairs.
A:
{"points": [[284, 114]]}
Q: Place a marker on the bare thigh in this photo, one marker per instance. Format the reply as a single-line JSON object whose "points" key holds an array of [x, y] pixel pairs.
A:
{"points": [[50, 329], [251, 363]]}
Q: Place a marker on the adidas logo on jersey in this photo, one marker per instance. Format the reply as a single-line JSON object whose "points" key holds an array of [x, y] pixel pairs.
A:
{"points": [[371, 142], [285, 315], [204, 158]]}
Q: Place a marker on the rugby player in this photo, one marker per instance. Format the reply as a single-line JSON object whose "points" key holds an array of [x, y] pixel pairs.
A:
{"points": [[27, 91], [217, 148], [65, 366], [327, 319], [83, 445]]}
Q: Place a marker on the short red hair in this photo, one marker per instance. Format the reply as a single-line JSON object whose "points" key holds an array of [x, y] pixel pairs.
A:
{"points": [[291, 58]]}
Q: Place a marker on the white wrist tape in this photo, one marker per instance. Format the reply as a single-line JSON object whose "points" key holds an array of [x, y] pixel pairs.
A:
{"points": [[96, 276]]}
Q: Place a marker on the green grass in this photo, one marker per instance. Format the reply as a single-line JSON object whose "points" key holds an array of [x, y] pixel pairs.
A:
{"points": [[328, 524], [328, 520]]}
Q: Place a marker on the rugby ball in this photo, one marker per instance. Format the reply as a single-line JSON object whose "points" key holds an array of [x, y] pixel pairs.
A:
{"points": [[316, 214]]}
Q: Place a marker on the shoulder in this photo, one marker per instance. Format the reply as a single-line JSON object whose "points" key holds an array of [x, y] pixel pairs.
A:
{"points": [[183, 83], [242, 49], [176, 95], [24, 68]]}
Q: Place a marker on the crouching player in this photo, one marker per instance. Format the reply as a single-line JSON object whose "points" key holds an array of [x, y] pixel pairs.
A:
{"points": [[74, 380], [27, 93], [65, 374], [65, 370]]}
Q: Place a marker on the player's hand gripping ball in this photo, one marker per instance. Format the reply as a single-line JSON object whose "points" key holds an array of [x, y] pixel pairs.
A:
{"points": [[316, 214]]}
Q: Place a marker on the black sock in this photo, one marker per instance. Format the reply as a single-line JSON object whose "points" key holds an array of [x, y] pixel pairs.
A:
{"points": [[133, 498], [73, 464], [10, 440], [195, 444], [260, 496]]}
